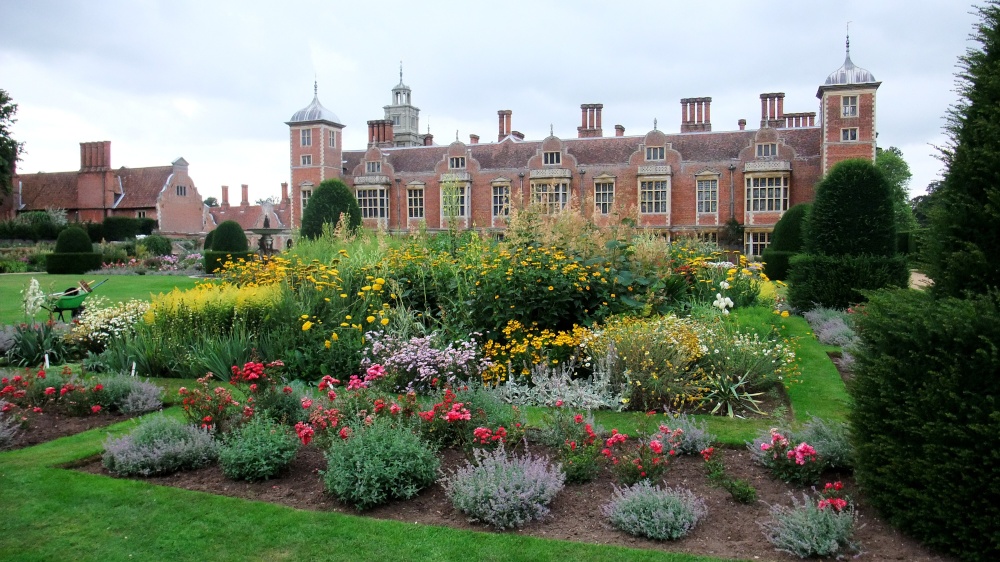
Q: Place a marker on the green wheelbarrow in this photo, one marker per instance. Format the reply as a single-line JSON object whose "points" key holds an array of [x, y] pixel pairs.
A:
{"points": [[70, 300]]}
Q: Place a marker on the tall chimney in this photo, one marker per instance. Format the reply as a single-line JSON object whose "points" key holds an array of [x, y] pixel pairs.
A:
{"points": [[696, 115], [473, 139], [284, 192], [428, 140], [772, 109], [619, 130], [225, 197], [504, 115], [590, 117], [246, 195], [743, 124]]}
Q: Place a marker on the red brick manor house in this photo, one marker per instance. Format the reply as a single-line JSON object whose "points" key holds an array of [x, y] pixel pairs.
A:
{"points": [[686, 183]]}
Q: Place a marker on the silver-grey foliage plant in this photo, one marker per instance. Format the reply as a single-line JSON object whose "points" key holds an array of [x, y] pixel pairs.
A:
{"points": [[503, 490], [694, 437], [159, 445], [649, 511], [548, 384], [806, 530]]}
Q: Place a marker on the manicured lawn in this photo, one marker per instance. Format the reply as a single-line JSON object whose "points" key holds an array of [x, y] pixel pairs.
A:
{"points": [[118, 288]]}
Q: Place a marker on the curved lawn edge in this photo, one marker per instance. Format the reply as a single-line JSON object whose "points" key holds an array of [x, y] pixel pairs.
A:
{"points": [[52, 513]]}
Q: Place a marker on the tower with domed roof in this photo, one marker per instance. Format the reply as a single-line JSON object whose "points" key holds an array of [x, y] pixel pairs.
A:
{"points": [[847, 113], [404, 115], [315, 151]]}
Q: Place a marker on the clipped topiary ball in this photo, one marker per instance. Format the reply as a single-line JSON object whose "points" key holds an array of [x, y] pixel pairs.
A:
{"points": [[229, 237], [74, 240], [208, 240]]}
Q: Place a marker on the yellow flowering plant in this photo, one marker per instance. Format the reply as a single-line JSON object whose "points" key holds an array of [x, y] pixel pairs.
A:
{"points": [[521, 347]]}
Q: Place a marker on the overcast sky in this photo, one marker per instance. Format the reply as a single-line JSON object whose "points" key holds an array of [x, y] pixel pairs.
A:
{"points": [[215, 81]]}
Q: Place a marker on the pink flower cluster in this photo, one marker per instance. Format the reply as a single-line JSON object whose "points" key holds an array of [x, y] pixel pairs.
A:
{"points": [[801, 452], [458, 412]]}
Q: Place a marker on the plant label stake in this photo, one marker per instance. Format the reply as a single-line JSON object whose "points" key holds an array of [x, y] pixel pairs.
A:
{"points": [[133, 368], [46, 361]]}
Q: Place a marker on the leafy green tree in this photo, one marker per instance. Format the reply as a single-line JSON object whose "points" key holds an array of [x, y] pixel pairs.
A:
{"points": [[211, 202], [10, 150], [787, 239], [897, 172], [331, 199], [922, 204], [965, 221]]}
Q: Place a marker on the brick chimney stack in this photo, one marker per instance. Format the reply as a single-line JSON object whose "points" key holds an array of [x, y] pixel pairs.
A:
{"points": [[95, 156], [619, 130], [225, 197], [590, 116], [505, 131], [772, 110], [743, 124], [473, 139], [428, 140], [696, 115], [380, 133], [246, 195], [284, 192]]}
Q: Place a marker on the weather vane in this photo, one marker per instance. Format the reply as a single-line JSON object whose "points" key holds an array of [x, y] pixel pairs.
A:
{"points": [[654, 123]]}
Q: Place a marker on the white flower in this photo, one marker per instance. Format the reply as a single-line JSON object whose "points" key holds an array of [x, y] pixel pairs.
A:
{"points": [[724, 285], [722, 303]]}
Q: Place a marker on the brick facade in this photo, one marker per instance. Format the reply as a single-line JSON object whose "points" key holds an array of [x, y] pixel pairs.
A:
{"points": [[98, 190], [686, 183]]}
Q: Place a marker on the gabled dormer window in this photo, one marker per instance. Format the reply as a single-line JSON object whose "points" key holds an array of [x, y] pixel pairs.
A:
{"points": [[373, 167], [456, 163], [655, 153], [552, 158], [182, 190]]}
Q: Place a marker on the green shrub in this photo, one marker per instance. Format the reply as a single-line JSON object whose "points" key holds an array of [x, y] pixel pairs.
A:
{"points": [[95, 230], [208, 240], [807, 530], [379, 463], [157, 245], [787, 239], [73, 240], [649, 511], [117, 229], [146, 225], [852, 213], [159, 445], [229, 237], [72, 263], [13, 266], [74, 253], [257, 450], [925, 423], [328, 201], [32, 342], [838, 281]]}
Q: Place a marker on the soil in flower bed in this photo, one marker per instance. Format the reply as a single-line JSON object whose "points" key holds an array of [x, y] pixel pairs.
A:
{"points": [[731, 529], [49, 426]]}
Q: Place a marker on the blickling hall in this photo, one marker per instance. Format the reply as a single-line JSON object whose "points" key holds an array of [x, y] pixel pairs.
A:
{"points": [[682, 184]]}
